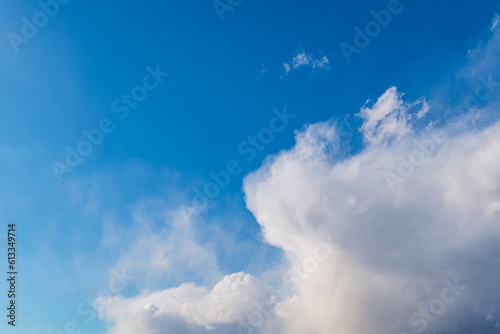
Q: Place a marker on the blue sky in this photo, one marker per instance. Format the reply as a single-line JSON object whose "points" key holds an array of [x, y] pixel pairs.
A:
{"points": [[227, 80]]}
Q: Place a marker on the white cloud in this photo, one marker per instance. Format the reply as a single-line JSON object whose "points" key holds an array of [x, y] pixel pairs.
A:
{"points": [[386, 119], [424, 110], [495, 21], [391, 257], [440, 223], [303, 59], [286, 67], [413, 219], [320, 63], [187, 308]]}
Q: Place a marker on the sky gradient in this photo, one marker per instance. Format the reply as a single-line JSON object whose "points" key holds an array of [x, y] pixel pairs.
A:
{"points": [[185, 167]]}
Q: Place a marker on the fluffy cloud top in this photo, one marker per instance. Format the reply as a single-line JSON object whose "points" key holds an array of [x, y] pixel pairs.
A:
{"points": [[187, 308], [415, 215]]}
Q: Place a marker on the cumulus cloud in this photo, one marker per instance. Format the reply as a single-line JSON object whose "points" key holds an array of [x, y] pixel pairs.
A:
{"points": [[401, 237], [188, 308], [303, 59], [433, 218]]}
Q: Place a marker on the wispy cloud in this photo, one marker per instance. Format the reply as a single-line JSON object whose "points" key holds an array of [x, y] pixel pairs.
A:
{"points": [[495, 21], [303, 59]]}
